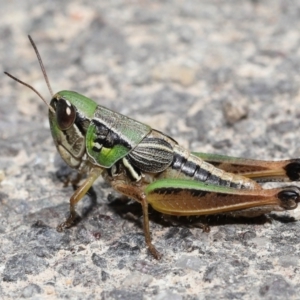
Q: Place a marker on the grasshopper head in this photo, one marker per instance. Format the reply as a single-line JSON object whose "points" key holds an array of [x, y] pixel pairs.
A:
{"points": [[70, 116]]}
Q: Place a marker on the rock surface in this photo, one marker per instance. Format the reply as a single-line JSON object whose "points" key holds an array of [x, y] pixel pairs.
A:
{"points": [[218, 76]]}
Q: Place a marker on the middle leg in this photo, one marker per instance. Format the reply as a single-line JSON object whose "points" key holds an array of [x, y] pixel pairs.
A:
{"points": [[136, 192]]}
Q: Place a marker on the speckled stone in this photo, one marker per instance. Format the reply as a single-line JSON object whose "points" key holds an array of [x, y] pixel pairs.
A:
{"points": [[218, 76]]}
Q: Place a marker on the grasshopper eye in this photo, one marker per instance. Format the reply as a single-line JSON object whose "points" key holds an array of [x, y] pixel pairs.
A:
{"points": [[65, 114]]}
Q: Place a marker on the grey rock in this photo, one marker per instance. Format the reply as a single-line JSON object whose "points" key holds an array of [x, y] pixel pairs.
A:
{"points": [[21, 265], [31, 290]]}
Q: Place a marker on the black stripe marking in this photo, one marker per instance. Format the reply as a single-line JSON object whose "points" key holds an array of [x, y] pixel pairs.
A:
{"points": [[178, 161], [194, 171], [174, 191], [214, 179], [201, 174], [82, 123], [236, 185], [189, 168], [107, 137]]}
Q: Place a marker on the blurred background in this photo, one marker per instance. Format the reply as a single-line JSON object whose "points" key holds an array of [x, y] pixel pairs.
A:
{"points": [[218, 76]]}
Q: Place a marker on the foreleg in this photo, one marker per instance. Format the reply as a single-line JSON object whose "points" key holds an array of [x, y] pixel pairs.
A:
{"points": [[77, 196]]}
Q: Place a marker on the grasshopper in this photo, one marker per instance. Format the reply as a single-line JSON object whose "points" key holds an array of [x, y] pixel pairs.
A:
{"points": [[150, 167]]}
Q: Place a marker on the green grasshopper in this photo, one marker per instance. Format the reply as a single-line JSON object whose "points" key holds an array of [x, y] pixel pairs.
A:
{"points": [[150, 167]]}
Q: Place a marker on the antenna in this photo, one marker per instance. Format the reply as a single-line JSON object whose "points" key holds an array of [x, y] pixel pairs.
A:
{"points": [[44, 73], [32, 88], [41, 64]]}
